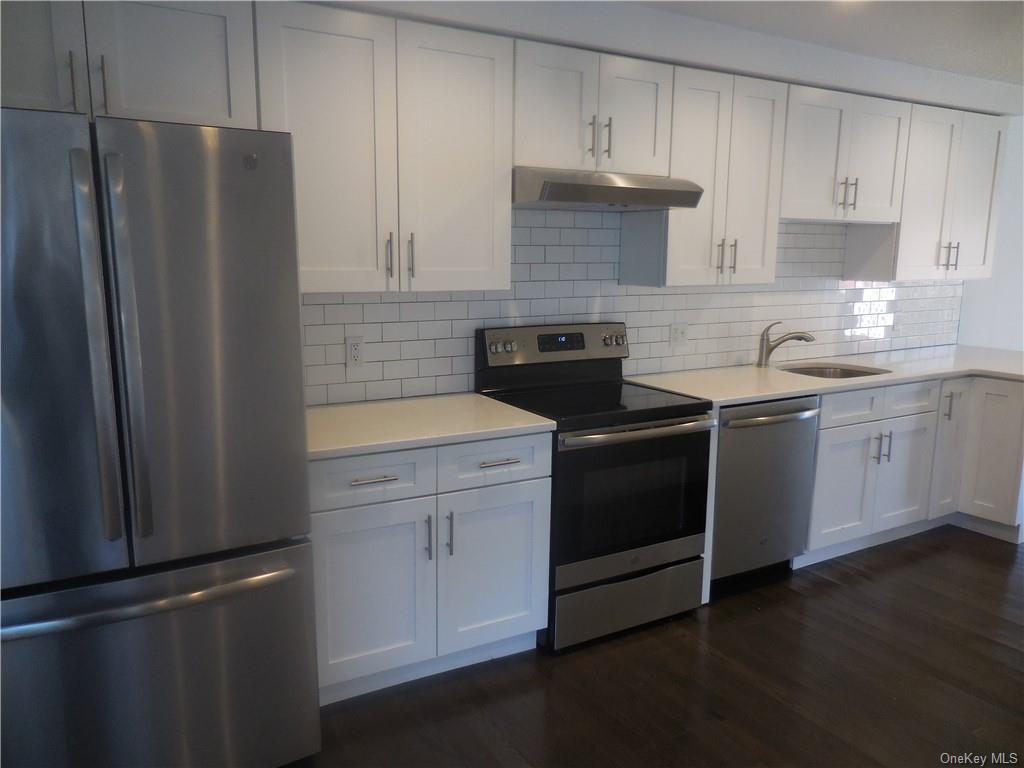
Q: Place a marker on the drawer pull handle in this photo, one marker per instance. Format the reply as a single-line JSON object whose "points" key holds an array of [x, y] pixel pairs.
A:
{"points": [[373, 480], [499, 463]]}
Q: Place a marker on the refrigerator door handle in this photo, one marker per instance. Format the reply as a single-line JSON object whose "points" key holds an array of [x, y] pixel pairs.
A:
{"points": [[146, 608], [125, 271], [99, 350]]}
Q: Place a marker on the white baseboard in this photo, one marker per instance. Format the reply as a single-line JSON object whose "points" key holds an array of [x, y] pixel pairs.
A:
{"points": [[1011, 533], [349, 688]]}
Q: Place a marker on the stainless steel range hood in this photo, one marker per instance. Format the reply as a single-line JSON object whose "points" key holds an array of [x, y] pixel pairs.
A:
{"points": [[596, 191]]}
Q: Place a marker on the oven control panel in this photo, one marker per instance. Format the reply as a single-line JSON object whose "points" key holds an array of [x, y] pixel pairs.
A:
{"points": [[554, 343]]}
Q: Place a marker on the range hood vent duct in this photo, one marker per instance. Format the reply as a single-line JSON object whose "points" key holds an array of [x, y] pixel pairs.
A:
{"points": [[596, 191]]}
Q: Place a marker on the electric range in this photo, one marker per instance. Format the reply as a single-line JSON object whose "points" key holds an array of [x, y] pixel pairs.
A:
{"points": [[629, 476]]}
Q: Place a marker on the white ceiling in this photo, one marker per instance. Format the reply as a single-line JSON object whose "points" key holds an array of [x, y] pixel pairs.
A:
{"points": [[982, 39]]}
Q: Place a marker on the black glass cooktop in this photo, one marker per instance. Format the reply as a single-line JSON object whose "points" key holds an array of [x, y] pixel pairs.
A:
{"points": [[602, 404]]}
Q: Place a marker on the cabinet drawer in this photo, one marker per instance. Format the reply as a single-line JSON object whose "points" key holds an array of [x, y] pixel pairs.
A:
{"points": [[355, 480], [844, 408], [488, 462], [908, 399]]}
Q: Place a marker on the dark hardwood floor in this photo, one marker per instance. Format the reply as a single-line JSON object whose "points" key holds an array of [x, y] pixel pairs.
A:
{"points": [[890, 656]]}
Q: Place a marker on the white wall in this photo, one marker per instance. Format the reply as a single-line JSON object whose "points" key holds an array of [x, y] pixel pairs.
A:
{"points": [[992, 312], [630, 28]]}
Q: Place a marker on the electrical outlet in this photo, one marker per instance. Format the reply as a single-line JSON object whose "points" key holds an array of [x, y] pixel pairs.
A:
{"points": [[353, 350], [677, 335]]}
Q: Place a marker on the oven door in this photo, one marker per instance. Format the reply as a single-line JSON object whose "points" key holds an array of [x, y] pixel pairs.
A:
{"points": [[629, 498]]}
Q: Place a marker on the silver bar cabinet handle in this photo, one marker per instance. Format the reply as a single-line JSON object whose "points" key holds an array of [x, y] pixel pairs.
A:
{"points": [[845, 184], [948, 248], [878, 458], [430, 537], [451, 534], [764, 421], [949, 413], [389, 250], [103, 82], [412, 254], [147, 608], [856, 191], [735, 252], [721, 257], [956, 261], [499, 463], [120, 241], [593, 136], [99, 349], [375, 480], [74, 85], [608, 149], [888, 453]]}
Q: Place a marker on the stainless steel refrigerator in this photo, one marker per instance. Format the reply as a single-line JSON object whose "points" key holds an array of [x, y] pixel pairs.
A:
{"points": [[157, 588]]}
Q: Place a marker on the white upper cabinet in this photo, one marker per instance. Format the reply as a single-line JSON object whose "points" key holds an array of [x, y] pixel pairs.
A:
{"points": [[454, 158], [845, 156], [177, 62], [556, 97], [635, 116], [581, 110], [43, 56], [755, 180], [727, 136], [974, 188], [327, 76]]}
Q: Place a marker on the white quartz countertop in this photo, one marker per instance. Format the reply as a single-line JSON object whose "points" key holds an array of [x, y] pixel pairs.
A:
{"points": [[748, 384], [391, 425]]}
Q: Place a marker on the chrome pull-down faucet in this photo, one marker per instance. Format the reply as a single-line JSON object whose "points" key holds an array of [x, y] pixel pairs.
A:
{"points": [[768, 346]]}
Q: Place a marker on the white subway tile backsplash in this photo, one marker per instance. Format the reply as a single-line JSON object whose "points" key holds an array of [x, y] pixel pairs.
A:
{"points": [[565, 269]]}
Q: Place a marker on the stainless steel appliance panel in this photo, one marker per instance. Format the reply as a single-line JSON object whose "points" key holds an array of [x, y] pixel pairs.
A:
{"points": [[766, 457], [202, 239], [62, 507], [209, 665], [601, 610]]}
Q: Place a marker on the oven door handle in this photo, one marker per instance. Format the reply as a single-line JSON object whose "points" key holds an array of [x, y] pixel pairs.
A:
{"points": [[702, 424]]}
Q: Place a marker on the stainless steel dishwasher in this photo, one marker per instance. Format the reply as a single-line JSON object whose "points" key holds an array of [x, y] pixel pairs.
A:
{"points": [[765, 482]]}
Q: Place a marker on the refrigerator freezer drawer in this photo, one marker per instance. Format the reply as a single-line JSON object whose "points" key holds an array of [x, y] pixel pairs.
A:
{"points": [[209, 665]]}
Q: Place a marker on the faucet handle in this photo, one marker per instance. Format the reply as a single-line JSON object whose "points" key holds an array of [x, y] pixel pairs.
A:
{"points": [[768, 328]]}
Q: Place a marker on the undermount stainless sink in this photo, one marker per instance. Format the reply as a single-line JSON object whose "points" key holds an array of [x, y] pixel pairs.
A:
{"points": [[833, 371]]}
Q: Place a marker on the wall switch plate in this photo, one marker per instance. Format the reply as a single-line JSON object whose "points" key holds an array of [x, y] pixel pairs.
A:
{"points": [[677, 335], [353, 350]]}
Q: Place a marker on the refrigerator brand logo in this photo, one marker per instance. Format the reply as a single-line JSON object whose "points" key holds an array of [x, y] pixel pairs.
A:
{"points": [[251, 161]]}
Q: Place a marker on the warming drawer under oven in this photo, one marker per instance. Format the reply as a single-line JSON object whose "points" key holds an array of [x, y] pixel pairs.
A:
{"points": [[628, 525]]}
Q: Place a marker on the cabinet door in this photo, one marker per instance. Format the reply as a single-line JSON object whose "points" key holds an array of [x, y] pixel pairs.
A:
{"points": [[635, 115], [879, 131], [492, 567], [454, 158], [376, 584], [755, 180], [701, 121], [973, 227], [43, 56], [556, 106], [844, 484], [327, 76], [992, 451], [905, 472], [949, 440], [923, 249], [816, 152], [175, 62]]}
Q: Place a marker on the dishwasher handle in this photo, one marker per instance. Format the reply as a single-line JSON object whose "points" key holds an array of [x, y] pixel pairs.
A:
{"points": [[764, 421]]}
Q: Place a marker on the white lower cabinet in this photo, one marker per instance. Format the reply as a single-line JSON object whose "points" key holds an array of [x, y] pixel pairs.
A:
{"points": [[492, 563], [405, 581], [991, 482], [844, 484], [904, 471], [949, 447], [376, 582]]}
